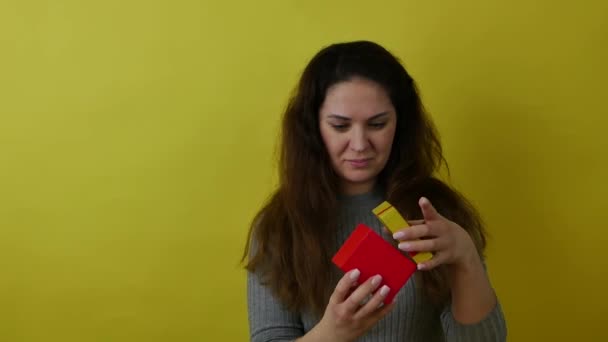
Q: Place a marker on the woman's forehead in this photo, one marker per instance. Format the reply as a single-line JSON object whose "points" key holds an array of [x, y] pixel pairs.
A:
{"points": [[357, 98]]}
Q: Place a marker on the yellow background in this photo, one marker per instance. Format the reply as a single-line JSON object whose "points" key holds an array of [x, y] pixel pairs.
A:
{"points": [[137, 140]]}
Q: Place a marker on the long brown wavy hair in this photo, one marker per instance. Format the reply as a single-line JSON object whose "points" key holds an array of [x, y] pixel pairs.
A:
{"points": [[288, 243]]}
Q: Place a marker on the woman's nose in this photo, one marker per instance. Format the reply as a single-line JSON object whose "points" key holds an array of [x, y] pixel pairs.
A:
{"points": [[359, 141]]}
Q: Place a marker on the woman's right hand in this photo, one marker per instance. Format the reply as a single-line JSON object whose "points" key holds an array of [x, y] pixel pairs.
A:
{"points": [[346, 317]]}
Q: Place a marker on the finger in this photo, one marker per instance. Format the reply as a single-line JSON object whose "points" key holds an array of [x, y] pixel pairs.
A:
{"points": [[374, 303], [428, 211], [410, 224], [344, 286], [414, 232], [383, 311], [377, 315], [353, 302], [427, 245], [437, 260]]}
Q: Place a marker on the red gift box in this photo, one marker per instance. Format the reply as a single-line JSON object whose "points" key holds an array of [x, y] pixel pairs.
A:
{"points": [[371, 254]]}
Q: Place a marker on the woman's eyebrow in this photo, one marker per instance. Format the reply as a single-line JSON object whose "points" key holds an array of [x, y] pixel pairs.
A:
{"points": [[379, 115], [336, 116], [341, 117]]}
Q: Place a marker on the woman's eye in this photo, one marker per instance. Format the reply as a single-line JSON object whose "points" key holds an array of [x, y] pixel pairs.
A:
{"points": [[377, 124], [340, 127]]}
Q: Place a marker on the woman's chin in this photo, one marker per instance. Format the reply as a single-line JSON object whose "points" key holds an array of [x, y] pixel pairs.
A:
{"points": [[358, 185]]}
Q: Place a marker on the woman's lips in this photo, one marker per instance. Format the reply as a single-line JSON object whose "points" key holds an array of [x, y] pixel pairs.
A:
{"points": [[359, 163]]}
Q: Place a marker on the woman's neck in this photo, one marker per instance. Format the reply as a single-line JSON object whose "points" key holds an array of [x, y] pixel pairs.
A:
{"points": [[353, 189]]}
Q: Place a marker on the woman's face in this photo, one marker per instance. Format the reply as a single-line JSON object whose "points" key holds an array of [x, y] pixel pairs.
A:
{"points": [[357, 122]]}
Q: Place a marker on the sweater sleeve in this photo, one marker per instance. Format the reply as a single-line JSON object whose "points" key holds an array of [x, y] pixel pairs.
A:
{"points": [[492, 328], [269, 320]]}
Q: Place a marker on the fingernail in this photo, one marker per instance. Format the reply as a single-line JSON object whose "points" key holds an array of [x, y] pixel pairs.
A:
{"points": [[420, 266], [404, 246], [384, 290], [398, 235], [354, 274], [376, 280]]}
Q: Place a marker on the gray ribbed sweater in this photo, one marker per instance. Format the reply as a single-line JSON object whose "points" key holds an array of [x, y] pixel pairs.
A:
{"points": [[414, 318]]}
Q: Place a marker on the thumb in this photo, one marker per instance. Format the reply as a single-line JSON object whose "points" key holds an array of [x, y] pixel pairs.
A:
{"points": [[428, 211]]}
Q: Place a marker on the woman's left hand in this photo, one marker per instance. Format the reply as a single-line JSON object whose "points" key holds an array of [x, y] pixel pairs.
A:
{"points": [[449, 242]]}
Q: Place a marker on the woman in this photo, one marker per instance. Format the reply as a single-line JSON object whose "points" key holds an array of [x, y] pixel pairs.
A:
{"points": [[355, 134]]}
